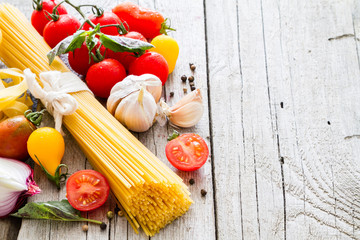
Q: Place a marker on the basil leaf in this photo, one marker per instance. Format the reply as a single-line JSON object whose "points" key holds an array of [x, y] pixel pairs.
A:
{"points": [[124, 44], [52, 210], [67, 45], [91, 40]]}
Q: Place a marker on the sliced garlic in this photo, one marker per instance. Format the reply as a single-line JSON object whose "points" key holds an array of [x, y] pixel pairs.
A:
{"points": [[187, 112], [137, 111]]}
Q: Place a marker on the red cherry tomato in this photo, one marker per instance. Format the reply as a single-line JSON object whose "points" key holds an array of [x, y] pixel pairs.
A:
{"points": [[38, 18], [79, 59], [145, 21], [105, 19], [87, 190], [150, 62], [102, 76], [126, 58], [55, 31], [188, 152]]}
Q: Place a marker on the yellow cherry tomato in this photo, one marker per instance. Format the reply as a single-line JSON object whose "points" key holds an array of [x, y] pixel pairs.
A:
{"points": [[168, 48], [47, 145]]}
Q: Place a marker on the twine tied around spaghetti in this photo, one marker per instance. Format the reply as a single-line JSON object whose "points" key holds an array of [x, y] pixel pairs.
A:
{"points": [[55, 93]]}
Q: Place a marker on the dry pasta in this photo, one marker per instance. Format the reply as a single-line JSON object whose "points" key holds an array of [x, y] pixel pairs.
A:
{"points": [[147, 190]]}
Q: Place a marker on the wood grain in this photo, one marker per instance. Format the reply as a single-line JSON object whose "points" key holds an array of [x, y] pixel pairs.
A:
{"points": [[281, 89], [313, 77]]}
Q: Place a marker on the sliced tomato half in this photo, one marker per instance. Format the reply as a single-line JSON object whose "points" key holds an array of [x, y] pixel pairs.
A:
{"points": [[188, 152], [87, 190]]}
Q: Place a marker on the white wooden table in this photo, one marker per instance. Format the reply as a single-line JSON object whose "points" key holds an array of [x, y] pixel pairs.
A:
{"points": [[281, 87]]}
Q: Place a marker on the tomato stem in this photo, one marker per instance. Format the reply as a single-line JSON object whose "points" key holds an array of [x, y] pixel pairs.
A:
{"points": [[37, 5], [120, 27], [97, 11], [54, 16], [34, 117], [58, 178], [173, 135], [165, 27], [78, 9]]}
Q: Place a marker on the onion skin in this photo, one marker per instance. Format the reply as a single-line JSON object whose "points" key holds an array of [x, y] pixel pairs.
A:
{"points": [[32, 188], [14, 133]]}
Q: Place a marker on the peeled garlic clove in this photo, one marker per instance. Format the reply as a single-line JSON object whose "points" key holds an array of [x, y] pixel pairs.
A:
{"points": [[188, 111], [137, 111]]}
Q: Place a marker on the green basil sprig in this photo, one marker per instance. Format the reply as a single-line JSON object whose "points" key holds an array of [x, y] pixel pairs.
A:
{"points": [[114, 43]]}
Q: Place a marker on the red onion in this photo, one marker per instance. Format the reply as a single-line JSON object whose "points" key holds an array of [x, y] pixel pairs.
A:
{"points": [[16, 184]]}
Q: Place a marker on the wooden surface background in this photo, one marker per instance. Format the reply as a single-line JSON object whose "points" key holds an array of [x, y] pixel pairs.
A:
{"points": [[281, 87]]}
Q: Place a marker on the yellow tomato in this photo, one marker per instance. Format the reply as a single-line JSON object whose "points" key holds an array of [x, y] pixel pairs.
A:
{"points": [[168, 48], [47, 145]]}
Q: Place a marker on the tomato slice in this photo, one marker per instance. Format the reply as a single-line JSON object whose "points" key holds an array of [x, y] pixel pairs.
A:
{"points": [[188, 152], [87, 190]]}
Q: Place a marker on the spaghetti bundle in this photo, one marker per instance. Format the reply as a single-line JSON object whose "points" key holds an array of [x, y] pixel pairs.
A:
{"points": [[149, 192]]}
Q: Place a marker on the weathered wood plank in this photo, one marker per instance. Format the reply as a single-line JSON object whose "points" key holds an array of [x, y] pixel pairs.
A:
{"points": [[313, 77], [199, 222], [248, 181], [9, 228], [225, 83]]}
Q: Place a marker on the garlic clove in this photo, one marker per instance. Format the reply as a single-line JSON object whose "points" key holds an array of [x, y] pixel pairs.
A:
{"points": [[112, 103], [188, 111], [153, 85], [137, 111]]}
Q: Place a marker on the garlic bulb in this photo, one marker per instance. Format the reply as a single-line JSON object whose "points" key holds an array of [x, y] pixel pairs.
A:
{"points": [[133, 101], [187, 112], [137, 111]]}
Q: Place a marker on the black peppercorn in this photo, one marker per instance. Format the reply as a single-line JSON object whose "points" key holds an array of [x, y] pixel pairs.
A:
{"points": [[191, 181], [191, 79], [171, 94], [203, 192], [193, 88], [116, 209], [192, 67], [183, 78], [103, 226]]}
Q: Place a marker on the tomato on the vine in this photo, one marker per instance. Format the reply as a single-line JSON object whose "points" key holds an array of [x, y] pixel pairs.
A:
{"points": [[102, 76], [150, 62], [56, 31], [47, 146], [126, 58], [87, 190], [79, 59], [106, 18], [145, 21], [188, 152], [42, 9], [168, 48]]}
